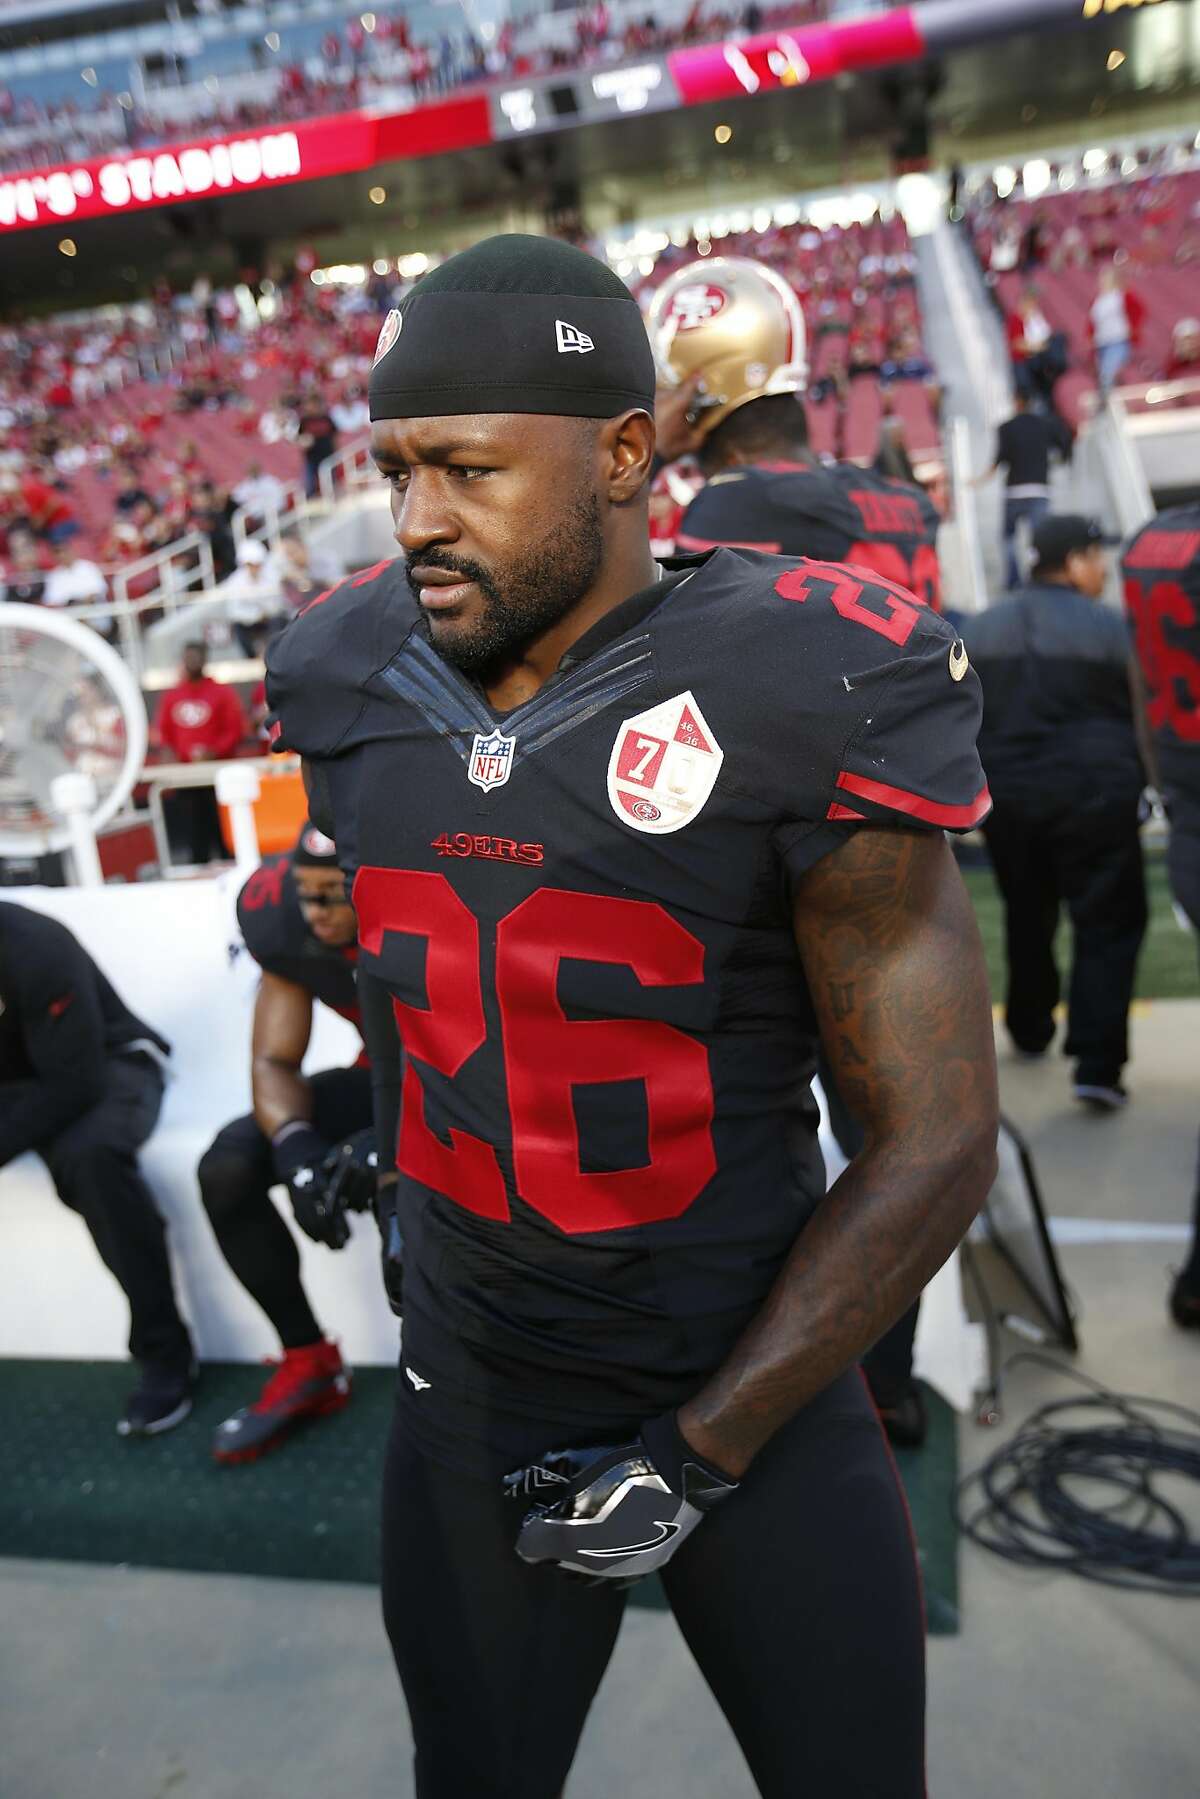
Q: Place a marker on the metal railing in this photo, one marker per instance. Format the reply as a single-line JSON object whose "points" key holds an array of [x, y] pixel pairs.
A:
{"points": [[964, 498], [1162, 393], [1127, 491], [989, 375], [347, 468], [182, 576], [178, 572], [169, 777]]}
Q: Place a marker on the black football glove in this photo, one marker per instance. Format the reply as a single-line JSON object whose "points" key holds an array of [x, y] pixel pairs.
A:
{"points": [[300, 1154], [391, 1245], [350, 1171], [620, 1513]]}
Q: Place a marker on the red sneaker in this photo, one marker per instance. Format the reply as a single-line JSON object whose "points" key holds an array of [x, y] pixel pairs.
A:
{"points": [[307, 1383]]}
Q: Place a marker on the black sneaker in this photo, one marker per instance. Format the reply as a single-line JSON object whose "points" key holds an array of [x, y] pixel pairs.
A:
{"points": [[1099, 1096], [161, 1400], [906, 1421], [1184, 1303]]}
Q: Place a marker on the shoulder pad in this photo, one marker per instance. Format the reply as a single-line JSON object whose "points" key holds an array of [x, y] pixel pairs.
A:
{"points": [[319, 665], [858, 683], [850, 615]]}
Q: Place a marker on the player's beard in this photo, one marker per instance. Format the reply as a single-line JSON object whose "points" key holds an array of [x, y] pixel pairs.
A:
{"points": [[522, 599]]}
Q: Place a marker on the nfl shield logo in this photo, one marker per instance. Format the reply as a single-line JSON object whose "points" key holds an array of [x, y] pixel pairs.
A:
{"points": [[490, 761]]}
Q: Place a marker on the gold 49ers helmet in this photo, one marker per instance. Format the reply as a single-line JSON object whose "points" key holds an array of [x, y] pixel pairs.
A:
{"points": [[736, 324]]}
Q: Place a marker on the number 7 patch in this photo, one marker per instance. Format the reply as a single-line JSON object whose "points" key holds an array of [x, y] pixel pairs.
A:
{"points": [[664, 765]]}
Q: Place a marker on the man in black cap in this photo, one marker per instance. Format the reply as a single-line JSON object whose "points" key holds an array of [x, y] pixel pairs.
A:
{"points": [[298, 925], [1060, 746], [621, 835], [81, 1082]]}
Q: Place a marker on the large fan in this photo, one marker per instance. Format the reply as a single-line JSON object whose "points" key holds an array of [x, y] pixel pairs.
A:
{"points": [[68, 705]]}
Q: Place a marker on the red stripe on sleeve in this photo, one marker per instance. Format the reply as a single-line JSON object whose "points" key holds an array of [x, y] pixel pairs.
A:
{"points": [[949, 817]]}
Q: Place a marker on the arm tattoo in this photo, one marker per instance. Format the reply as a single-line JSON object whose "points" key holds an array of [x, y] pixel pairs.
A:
{"points": [[841, 998], [895, 966]]}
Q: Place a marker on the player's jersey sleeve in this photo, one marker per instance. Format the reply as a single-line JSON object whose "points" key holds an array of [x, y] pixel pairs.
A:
{"points": [[874, 711], [319, 665]]}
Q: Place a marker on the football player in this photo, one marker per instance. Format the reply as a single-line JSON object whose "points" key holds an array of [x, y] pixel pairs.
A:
{"points": [[299, 926], [728, 337], [1162, 596], [624, 838]]}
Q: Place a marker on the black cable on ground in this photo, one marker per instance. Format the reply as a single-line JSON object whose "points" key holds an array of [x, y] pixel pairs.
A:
{"points": [[1076, 1489]]}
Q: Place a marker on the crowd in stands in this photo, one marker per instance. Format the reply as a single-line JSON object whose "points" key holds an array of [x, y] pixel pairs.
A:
{"points": [[121, 434], [1096, 277], [358, 67]]}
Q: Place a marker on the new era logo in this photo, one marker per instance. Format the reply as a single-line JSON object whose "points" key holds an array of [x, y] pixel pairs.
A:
{"points": [[571, 338]]}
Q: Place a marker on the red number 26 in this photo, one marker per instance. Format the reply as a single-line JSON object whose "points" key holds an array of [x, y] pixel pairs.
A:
{"points": [[546, 1054]]}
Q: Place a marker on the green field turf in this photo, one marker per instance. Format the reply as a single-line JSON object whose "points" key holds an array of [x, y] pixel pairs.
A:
{"points": [[75, 1491], [1168, 968]]}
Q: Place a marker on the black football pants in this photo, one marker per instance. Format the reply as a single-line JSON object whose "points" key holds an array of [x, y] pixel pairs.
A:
{"points": [[94, 1166], [236, 1172], [1091, 862], [193, 823], [799, 1598]]}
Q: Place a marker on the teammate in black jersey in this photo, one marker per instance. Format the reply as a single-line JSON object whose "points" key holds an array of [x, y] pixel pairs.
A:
{"points": [[299, 926], [1162, 596], [624, 839], [728, 336]]}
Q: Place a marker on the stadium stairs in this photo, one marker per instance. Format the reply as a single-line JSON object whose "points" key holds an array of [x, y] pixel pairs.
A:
{"points": [[964, 330]]}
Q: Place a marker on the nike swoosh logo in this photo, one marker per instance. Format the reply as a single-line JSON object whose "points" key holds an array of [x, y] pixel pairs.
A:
{"points": [[668, 1531], [419, 1385]]}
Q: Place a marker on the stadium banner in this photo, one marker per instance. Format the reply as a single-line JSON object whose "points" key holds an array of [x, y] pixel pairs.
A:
{"points": [[794, 58], [346, 142], [267, 156], [814, 53], [457, 124]]}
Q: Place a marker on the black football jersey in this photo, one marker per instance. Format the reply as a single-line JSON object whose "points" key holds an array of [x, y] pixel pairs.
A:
{"points": [[1161, 567], [836, 512], [274, 931], [582, 910]]}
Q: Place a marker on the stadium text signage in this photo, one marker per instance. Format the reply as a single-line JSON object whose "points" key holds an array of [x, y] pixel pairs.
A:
{"points": [[119, 184], [306, 151], [352, 141]]}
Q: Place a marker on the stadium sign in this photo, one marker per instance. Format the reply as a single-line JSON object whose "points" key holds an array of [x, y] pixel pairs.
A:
{"points": [[352, 141], [122, 184], [306, 151]]}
